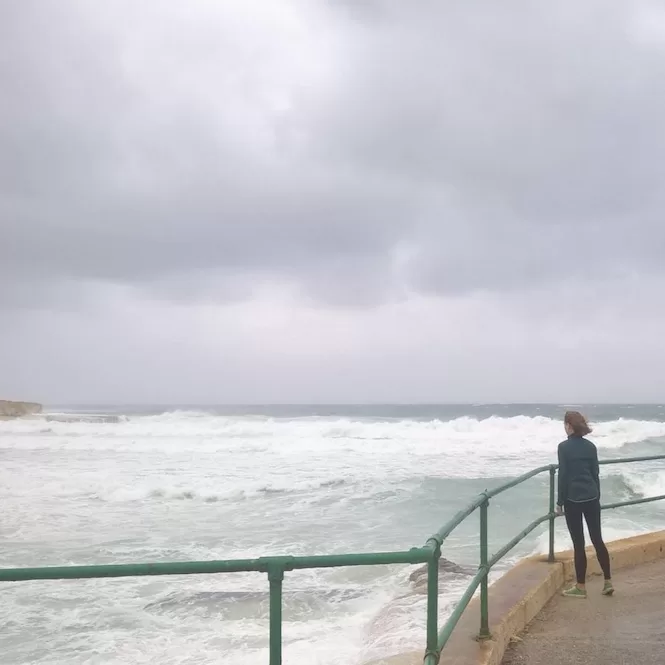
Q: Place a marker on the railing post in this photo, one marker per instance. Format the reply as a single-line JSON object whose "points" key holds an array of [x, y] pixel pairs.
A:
{"points": [[551, 558], [484, 590], [433, 602], [275, 576]]}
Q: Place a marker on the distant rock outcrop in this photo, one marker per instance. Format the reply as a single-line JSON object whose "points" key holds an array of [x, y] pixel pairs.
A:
{"points": [[18, 409]]}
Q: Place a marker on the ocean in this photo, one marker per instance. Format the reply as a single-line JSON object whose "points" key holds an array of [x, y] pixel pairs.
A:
{"points": [[202, 483]]}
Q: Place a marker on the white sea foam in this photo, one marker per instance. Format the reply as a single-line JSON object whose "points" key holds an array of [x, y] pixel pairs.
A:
{"points": [[538, 431], [457, 448], [193, 486], [646, 482]]}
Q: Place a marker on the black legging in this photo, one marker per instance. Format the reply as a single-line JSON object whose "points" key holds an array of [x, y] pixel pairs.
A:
{"points": [[591, 512]]}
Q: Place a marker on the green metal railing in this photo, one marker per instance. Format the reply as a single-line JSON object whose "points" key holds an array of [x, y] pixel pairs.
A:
{"points": [[430, 554]]}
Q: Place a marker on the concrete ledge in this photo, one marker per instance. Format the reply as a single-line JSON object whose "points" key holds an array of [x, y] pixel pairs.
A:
{"points": [[516, 599]]}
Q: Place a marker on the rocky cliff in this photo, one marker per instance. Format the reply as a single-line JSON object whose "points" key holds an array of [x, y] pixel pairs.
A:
{"points": [[18, 409]]}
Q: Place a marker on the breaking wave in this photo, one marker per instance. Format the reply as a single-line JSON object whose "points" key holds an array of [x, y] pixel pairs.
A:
{"points": [[512, 431]]}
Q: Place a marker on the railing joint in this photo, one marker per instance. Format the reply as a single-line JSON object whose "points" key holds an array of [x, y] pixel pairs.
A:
{"points": [[484, 568], [435, 541], [432, 653], [435, 547], [272, 563], [275, 573]]}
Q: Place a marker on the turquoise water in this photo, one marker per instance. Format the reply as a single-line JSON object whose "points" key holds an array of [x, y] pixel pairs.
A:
{"points": [[230, 482]]}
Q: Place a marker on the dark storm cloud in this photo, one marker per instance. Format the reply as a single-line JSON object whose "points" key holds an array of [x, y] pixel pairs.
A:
{"points": [[487, 145]]}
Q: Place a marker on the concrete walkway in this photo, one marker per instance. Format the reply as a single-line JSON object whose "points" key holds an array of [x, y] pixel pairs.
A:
{"points": [[627, 629]]}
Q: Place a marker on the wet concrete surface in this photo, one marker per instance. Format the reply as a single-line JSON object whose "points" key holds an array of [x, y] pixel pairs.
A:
{"points": [[625, 629]]}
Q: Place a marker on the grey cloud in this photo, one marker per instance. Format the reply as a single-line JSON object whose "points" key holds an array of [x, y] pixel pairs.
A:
{"points": [[89, 192], [542, 134], [508, 347], [497, 144]]}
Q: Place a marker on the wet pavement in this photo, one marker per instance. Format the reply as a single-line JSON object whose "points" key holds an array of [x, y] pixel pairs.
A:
{"points": [[625, 629]]}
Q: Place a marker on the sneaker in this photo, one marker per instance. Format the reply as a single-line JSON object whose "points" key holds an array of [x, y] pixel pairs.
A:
{"points": [[574, 592], [608, 588]]}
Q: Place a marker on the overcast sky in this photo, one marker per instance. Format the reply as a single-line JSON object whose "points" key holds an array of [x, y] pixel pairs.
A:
{"points": [[332, 201]]}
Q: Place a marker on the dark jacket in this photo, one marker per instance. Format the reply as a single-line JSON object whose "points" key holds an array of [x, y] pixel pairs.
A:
{"points": [[578, 471]]}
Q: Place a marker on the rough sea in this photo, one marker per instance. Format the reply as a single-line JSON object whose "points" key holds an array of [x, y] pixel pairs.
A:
{"points": [[201, 483]]}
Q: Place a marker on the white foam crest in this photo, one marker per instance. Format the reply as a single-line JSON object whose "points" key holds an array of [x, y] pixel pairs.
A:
{"points": [[205, 492], [302, 453], [617, 433], [646, 483], [514, 431]]}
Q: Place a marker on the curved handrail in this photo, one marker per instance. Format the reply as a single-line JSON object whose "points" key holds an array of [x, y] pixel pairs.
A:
{"points": [[457, 519], [436, 641]]}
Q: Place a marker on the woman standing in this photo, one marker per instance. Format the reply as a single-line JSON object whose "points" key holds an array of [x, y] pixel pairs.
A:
{"points": [[579, 497]]}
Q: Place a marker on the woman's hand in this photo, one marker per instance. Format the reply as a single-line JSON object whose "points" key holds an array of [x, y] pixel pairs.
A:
{"points": [[559, 510]]}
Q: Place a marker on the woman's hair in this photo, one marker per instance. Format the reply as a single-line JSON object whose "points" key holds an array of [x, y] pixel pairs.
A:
{"points": [[577, 422]]}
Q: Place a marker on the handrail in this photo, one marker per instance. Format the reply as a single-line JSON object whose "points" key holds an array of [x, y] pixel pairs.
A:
{"points": [[453, 523], [430, 554], [437, 642], [261, 565]]}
